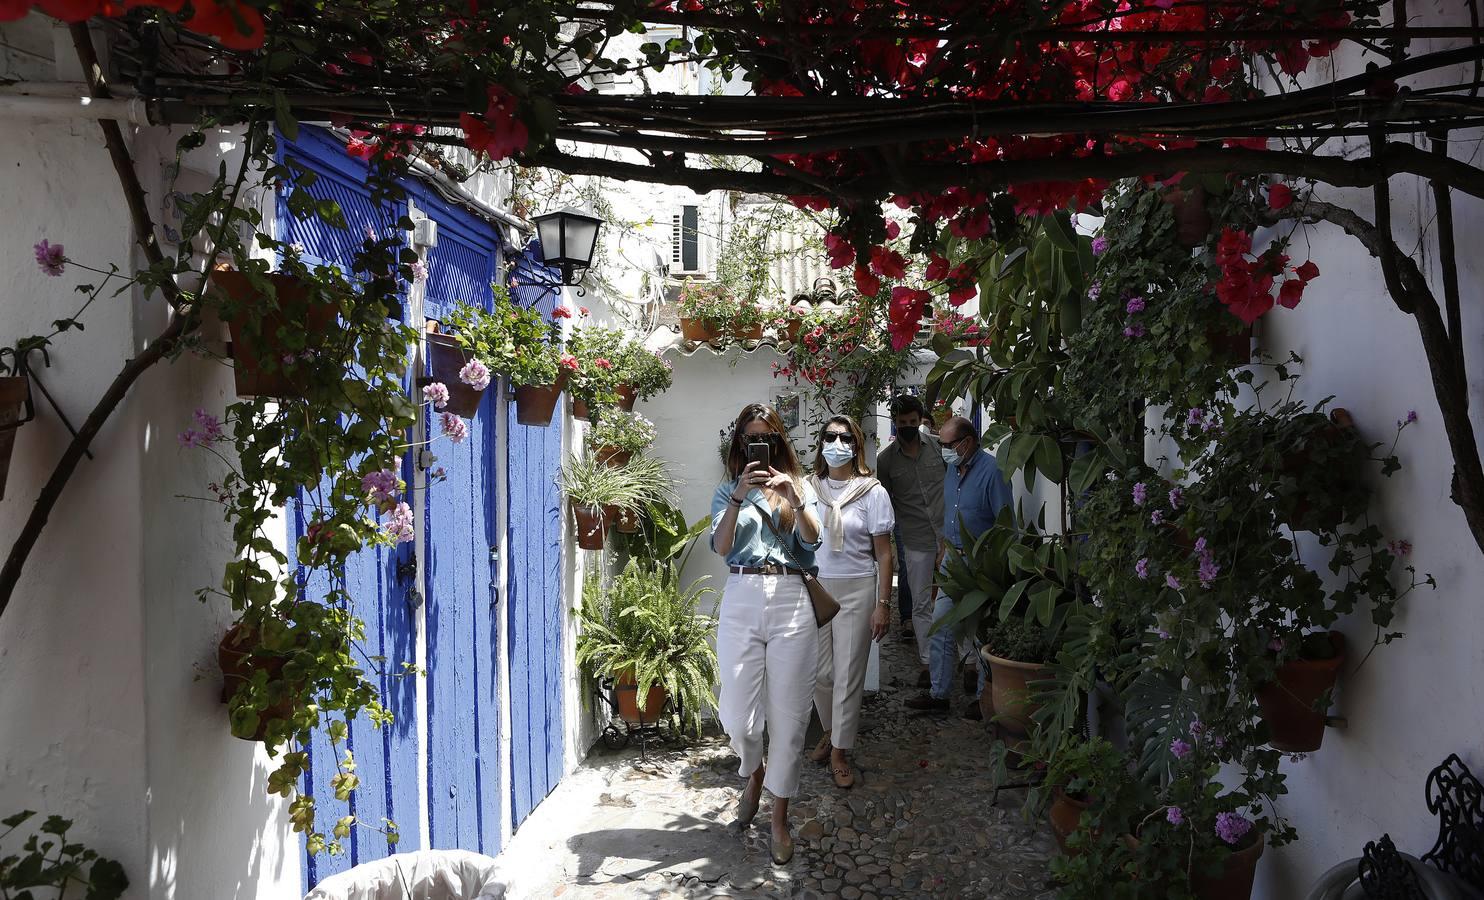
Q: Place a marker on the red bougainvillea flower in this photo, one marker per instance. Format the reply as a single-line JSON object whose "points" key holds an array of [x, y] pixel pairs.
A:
{"points": [[1291, 293], [869, 285], [499, 134], [888, 263], [905, 314], [937, 268], [359, 148], [840, 250], [1280, 196], [1308, 271]]}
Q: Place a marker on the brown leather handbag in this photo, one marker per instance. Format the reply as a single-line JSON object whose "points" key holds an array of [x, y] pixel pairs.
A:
{"points": [[825, 606]]}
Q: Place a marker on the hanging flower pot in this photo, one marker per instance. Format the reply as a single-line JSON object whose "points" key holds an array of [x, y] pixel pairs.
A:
{"points": [[626, 398], [15, 394], [1192, 219], [446, 358], [239, 663], [626, 521], [1287, 703], [1010, 692], [1232, 347], [614, 457], [535, 403], [579, 410], [263, 366], [591, 523], [791, 329], [627, 694], [1065, 815], [702, 331]]}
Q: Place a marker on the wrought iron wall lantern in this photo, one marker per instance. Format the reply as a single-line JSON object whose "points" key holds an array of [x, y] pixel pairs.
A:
{"points": [[568, 239]]}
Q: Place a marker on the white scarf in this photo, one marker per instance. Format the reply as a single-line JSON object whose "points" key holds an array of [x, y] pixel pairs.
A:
{"points": [[855, 489]]}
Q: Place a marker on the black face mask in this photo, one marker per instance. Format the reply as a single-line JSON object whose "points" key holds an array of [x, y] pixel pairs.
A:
{"points": [[909, 435]]}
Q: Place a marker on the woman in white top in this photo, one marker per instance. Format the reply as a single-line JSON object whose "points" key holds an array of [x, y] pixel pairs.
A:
{"points": [[854, 561]]}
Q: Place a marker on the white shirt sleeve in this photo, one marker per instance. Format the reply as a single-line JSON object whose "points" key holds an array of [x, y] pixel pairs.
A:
{"points": [[880, 516]]}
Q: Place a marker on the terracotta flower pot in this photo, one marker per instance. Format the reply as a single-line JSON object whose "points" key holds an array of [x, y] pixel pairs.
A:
{"points": [[791, 330], [14, 391], [1301, 514], [591, 524], [259, 366], [749, 333], [628, 701], [626, 398], [535, 403], [1287, 704], [1065, 815], [446, 358], [1234, 348], [1192, 219], [580, 411], [624, 521], [702, 331], [1011, 695], [1238, 871], [238, 664], [613, 457]]}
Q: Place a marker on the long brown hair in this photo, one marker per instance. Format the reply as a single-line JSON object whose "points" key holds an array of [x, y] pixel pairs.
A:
{"points": [[821, 467], [737, 452]]}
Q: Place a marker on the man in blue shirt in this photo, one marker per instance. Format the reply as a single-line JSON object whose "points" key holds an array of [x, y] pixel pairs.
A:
{"points": [[974, 492]]}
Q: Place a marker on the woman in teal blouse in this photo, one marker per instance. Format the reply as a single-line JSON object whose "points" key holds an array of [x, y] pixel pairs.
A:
{"points": [[766, 640]]}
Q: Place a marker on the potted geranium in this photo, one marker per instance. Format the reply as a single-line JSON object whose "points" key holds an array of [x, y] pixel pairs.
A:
{"points": [[642, 374], [519, 343], [787, 321], [710, 312], [643, 636], [277, 321], [618, 435], [597, 377], [1306, 668], [843, 354]]}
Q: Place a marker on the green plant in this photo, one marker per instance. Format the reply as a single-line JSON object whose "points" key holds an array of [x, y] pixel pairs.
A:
{"points": [[646, 372], [846, 351], [598, 371], [1020, 641], [663, 537], [644, 626], [644, 480], [718, 308], [509, 339], [48, 860], [627, 431]]}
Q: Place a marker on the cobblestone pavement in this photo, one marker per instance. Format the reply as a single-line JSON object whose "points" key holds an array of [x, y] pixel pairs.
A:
{"points": [[918, 822]]}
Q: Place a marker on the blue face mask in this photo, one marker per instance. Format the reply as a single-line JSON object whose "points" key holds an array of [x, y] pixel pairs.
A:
{"points": [[837, 454], [950, 456]]}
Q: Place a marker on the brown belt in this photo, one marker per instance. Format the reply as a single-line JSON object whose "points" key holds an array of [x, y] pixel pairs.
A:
{"points": [[769, 569]]}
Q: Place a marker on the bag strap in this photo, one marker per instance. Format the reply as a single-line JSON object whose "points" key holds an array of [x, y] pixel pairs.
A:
{"points": [[767, 516]]}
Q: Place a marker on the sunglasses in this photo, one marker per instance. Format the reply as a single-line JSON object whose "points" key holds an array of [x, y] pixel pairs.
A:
{"points": [[843, 437]]}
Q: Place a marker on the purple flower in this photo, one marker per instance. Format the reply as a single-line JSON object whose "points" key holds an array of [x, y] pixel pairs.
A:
{"points": [[436, 394], [1179, 748], [1094, 290], [1208, 570], [50, 257], [211, 426], [1197, 728], [1172, 581], [1200, 545], [1176, 495], [1134, 331], [419, 272], [381, 486], [1174, 816], [1135, 305], [438, 474], [1232, 827], [1099, 245], [475, 375], [398, 523], [1163, 635], [1196, 416], [1141, 493], [1156, 517], [456, 429], [1218, 741], [1399, 548], [1411, 416], [190, 439], [1276, 645], [1141, 568]]}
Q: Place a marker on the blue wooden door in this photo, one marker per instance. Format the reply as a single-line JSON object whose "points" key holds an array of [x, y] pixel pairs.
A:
{"points": [[385, 758], [463, 684], [535, 586]]}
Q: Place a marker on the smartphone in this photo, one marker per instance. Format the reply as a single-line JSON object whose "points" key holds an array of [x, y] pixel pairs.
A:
{"points": [[761, 453]]}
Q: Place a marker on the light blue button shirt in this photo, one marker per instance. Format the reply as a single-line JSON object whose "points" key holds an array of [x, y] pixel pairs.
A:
{"points": [[753, 543], [978, 495]]}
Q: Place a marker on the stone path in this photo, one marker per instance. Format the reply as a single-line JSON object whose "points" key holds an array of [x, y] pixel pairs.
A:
{"points": [[918, 822]]}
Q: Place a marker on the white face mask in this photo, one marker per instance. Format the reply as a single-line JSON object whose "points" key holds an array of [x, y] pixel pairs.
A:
{"points": [[837, 454], [950, 456]]}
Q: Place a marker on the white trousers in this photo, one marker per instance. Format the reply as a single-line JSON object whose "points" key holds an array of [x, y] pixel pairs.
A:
{"points": [[844, 650], [921, 565], [768, 648]]}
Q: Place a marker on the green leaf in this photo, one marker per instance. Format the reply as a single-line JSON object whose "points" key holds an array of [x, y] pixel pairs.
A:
{"points": [[1012, 597], [1058, 227], [1018, 450], [1085, 471], [1043, 602], [1048, 457], [284, 117]]}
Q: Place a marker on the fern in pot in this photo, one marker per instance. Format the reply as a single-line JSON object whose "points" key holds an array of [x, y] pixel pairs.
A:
{"points": [[644, 635]]}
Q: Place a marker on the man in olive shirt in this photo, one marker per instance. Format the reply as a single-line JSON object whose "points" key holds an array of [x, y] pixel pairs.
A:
{"points": [[911, 469]]}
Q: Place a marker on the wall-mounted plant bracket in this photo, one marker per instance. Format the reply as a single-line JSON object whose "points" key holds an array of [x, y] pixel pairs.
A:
{"points": [[24, 369]]}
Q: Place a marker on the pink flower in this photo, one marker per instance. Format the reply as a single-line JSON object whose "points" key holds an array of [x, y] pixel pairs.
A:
{"points": [[602, 363], [498, 132], [1172, 582], [398, 523], [475, 375], [561, 312], [51, 257], [1308, 271], [436, 394], [211, 426], [454, 427], [1173, 815], [568, 362], [1399, 548], [582, 311], [380, 486], [190, 439], [1179, 748], [419, 272]]}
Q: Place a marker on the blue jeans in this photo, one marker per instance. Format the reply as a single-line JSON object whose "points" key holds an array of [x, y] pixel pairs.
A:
{"points": [[944, 655]]}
